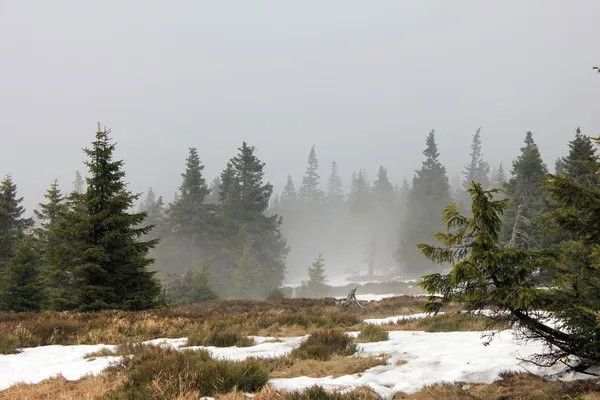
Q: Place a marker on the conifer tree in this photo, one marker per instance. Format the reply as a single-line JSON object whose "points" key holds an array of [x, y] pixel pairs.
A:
{"points": [[525, 193], [310, 193], [430, 192], [215, 187], [477, 170], [383, 191], [111, 271], [12, 222], [498, 178], [289, 195], [317, 278], [360, 196], [22, 286], [578, 165], [247, 278], [156, 214], [335, 191], [78, 184], [49, 215]]}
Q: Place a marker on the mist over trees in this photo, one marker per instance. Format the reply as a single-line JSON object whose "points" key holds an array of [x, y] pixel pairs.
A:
{"points": [[99, 246]]}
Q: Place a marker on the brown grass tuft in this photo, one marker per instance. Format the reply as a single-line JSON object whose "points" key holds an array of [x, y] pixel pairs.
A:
{"points": [[324, 344], [449, 322], [336, 366], [372, 333]]}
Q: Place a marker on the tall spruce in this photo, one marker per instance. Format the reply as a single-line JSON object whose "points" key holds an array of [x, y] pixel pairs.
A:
{"points": [[335, 190], [476, 171], [22, 287], [248, 276], [310, 192], [383, 191], [430, 192], [498, 178], [360, 196], [289, 195], [112, 269], [13, 224], [49, 215], [78, 183], [317, 278], [527, 200], [579, 164], [215, 187]]}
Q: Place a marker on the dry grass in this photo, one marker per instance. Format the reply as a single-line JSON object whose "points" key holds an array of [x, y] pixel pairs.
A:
{"points": [[511, 386], [448, 322], [372, 333], [324, 344], [88, 388], [335, 366], [288, 317]]}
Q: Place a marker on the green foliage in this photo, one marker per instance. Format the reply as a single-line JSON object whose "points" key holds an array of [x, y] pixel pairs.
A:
{"points": [[579, 164], [247, 278], [159, 372], [430, 192], [192, 287], [310, 193], [12, 223], [324, 344], [477, 170], [275, 294], [524, 190], [102, 250], [22, 286], [372, 333], [316, 277]]}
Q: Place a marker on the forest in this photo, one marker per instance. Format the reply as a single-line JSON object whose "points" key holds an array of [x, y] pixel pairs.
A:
{"points": [[97, 245]]}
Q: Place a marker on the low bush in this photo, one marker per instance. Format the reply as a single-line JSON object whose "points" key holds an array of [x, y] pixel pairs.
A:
{"points": [[324, 344], [220, 336], [155, 372], [372, 333], [450, 322]]}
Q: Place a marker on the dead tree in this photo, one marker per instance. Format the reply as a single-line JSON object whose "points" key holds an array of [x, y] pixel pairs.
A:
{"points": [[350, 300]]}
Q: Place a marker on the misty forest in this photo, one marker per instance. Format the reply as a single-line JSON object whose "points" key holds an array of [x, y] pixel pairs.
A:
{"points": [[295, 201]]}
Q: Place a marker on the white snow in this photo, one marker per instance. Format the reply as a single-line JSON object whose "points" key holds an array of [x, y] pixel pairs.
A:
{"points": [[431, 358]]}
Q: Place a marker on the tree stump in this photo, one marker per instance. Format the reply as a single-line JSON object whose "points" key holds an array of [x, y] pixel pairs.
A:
{"points": [[350, 300]]}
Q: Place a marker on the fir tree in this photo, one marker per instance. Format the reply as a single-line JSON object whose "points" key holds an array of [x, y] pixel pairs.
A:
{"points": [[317, 278], [383, 191], [578, 165], [335, 192], [429, 193], [289, 196], [246, 279], [525, 193], [360, 196], [477, 170], [215, 187], [498, 178], [50, 214], [78, 184], [12, 223], [310, 193], [22, 286], [112, 269]]}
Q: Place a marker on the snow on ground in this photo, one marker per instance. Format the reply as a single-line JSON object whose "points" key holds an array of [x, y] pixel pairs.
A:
{"points": [[431, 357]]}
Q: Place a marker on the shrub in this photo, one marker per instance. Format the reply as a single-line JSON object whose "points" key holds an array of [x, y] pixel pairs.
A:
{"points": [[275, 294], [160, 372], [372, 333], [324, 344], [318, 393], [220, 336]]}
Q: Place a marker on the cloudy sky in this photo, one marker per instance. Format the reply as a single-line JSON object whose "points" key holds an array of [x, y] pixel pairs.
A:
{"points": [[364, 81]]}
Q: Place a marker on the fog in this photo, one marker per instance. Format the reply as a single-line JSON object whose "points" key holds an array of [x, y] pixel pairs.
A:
{"points": [[364, 82]]}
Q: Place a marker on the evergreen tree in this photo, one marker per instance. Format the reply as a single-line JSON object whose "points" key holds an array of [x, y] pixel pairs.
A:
{"points": [[12, 222], [383, 191], [155, 208], [430, 192], [335, 191], [310, 193], [477, 170], [215, 187], [111, 270], [498, 178], [525, 193], [192, 287], [50, 214], [289, 196], [317, 278], [78, 184], [22, 285], [578, 165], [360, 196], [247, 278]]}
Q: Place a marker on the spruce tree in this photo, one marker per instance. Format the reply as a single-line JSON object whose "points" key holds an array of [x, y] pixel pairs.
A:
{"points": [[215, 187], [22, 286], [430, 192], [78, 184], [335, 191], [498, 178], [289, 195], [525, 193], [317, 278], [49, 215], [247, 278], [12, 222], [360, 196], [579, 164], [112, 269], [383, 191], [310, 193], [477, 170]]}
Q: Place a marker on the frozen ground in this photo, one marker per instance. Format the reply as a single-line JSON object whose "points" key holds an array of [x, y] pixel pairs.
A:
{"points": [[431, 357]]}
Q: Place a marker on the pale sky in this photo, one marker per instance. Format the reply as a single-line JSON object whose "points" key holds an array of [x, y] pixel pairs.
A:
{"points": [[364, 81]]}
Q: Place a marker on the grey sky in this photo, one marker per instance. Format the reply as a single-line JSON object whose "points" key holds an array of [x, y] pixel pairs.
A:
{"points": [[362, 80]]}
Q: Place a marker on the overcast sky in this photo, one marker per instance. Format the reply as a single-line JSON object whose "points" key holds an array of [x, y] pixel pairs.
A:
{"points": [[364, 81]]}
